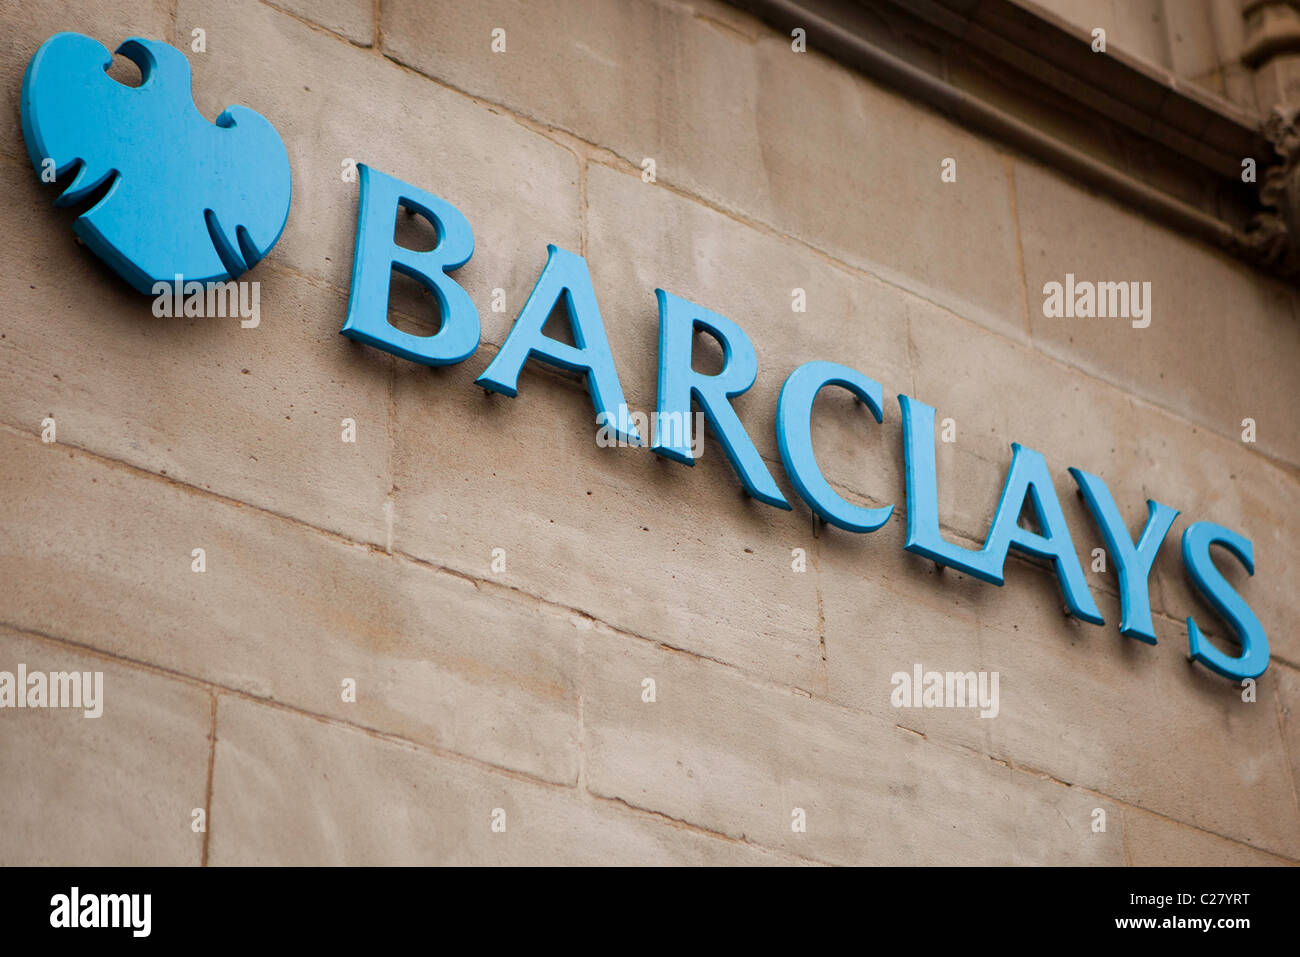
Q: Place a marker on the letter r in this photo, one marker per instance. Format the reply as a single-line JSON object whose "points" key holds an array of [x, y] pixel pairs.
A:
{"points": [[679, 384]]}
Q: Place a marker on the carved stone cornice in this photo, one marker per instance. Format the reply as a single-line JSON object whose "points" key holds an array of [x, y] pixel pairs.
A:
{"points": [[1272, 28], [1274, 233]]}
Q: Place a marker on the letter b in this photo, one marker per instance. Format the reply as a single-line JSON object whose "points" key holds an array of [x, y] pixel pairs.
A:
{"points": [[377, 255]]}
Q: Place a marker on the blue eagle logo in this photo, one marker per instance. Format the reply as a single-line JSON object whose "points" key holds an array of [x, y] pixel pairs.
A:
{"points": [[181, 196]]}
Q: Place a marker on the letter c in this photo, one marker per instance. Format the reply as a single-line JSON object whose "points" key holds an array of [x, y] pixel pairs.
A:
{"points": [[794, 438]]}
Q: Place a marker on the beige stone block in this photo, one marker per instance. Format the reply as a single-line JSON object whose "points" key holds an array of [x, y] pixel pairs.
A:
{"points": [[669, 552], [1154, 841], [353, 19], [1142, 29], [793, 140], [999, 392], [1223, 343], [610, 72], [1079, 702], [1143, 724], [887, 610], [101, 554], [293, 790], [738, 756], [332, 101], [254, 414], [114, 790], [1190, 32], [1137, 27], [1286, 680], [873, 633]]}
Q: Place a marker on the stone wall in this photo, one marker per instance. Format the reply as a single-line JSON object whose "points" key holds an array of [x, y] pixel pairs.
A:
{"points": [[516, 685]]}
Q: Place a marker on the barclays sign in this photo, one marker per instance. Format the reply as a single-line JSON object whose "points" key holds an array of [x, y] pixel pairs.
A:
{"points": [[220, 200]]}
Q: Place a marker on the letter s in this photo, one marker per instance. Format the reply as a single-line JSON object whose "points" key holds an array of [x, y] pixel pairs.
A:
{"points": [[1207, 579]]}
